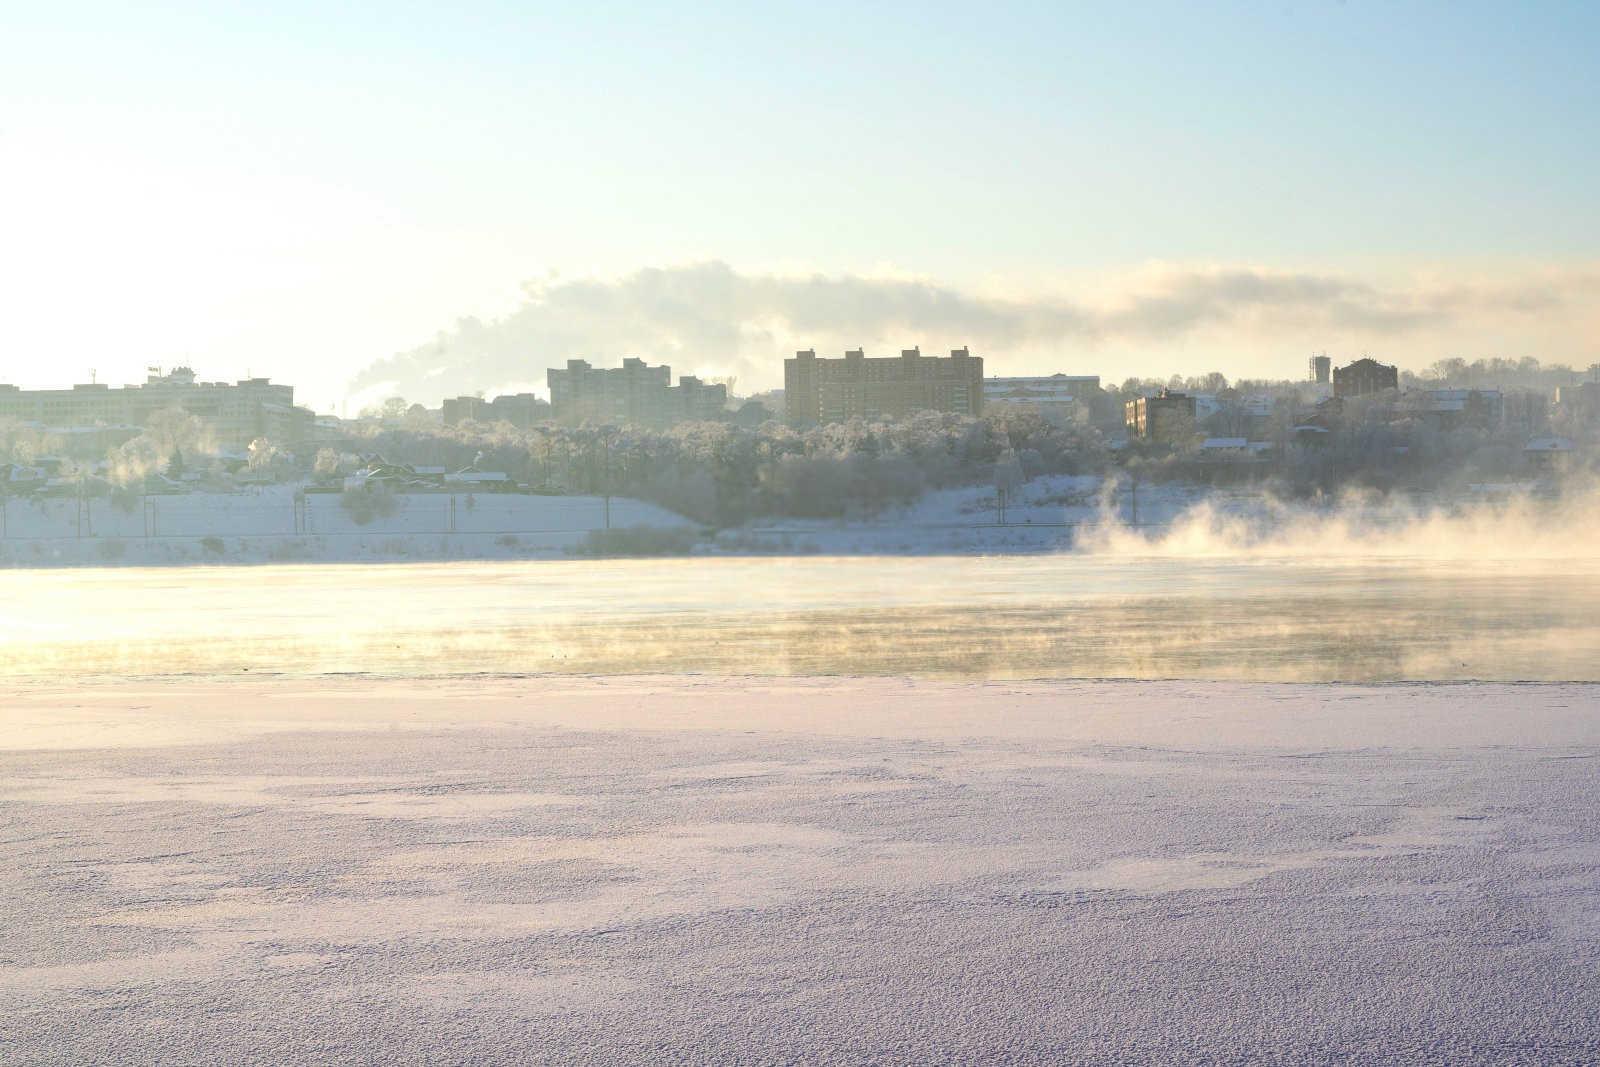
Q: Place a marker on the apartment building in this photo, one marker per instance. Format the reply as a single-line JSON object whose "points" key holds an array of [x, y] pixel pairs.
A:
{"points": [[522, 410], [634, 393], [833, 390]]}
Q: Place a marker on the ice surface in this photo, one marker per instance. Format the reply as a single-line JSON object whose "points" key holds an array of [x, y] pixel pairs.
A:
{"points": [[723, 870]]}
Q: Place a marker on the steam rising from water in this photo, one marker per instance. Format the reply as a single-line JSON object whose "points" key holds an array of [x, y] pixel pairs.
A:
{"points": [[1355, 529], [1207, 615]]}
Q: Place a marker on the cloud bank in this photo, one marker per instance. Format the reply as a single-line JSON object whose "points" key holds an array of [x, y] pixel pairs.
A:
{"points": [[712, 320]]}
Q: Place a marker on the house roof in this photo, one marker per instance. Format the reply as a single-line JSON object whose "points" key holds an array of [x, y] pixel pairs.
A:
{"points": [[1548, 444]]}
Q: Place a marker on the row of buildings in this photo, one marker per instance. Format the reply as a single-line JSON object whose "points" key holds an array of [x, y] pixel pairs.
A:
{"points": [[1167, 415], [816, 390], [522, 410], [634, 393], [1364, 395], [233, 413]]}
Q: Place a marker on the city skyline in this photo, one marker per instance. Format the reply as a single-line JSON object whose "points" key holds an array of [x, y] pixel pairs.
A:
{"points": [[1067, 190], [97, 387]]}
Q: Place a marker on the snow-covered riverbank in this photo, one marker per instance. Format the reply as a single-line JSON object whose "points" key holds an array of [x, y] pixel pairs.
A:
{"points": [[727, 870], [271, 525], [268, 525]]}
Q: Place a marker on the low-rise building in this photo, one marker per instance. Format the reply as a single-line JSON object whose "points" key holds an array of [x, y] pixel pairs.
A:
{"points": [[1453, 408], [1256, 405], [1364, 377], [1581, 401], [1547, 452], [1164, 417], [1219, 446], [1234, 449], [1062, 397]]}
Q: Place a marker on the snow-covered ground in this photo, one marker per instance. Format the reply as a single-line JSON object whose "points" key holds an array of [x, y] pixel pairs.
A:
{"points": [[1045, 514], [266, 524], [776, 871]]}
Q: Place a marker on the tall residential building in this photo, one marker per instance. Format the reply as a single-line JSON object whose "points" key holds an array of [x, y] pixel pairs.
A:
{"points": [[458, 409], [832, 390], [235, 414], [522, 410], [1364, 377], [693, 400], [633, 393]]}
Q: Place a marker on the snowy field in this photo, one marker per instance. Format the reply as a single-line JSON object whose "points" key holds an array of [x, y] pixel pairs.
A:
{"points": [[1046, 514], [267, 525], [720, 870]]}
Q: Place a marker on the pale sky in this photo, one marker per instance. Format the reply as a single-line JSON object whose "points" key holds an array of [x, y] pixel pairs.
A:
{"points": [[304, 191]]}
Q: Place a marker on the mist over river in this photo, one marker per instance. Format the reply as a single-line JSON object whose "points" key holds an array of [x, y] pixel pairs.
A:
{"points": [[1070, 615]]}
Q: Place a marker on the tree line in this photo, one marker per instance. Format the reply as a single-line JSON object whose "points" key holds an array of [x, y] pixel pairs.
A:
{"points": [[725, 473]]}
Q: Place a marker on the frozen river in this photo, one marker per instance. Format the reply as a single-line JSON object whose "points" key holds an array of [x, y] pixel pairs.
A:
{"points": [[968, 616], [372, 814], [730, 870]]}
